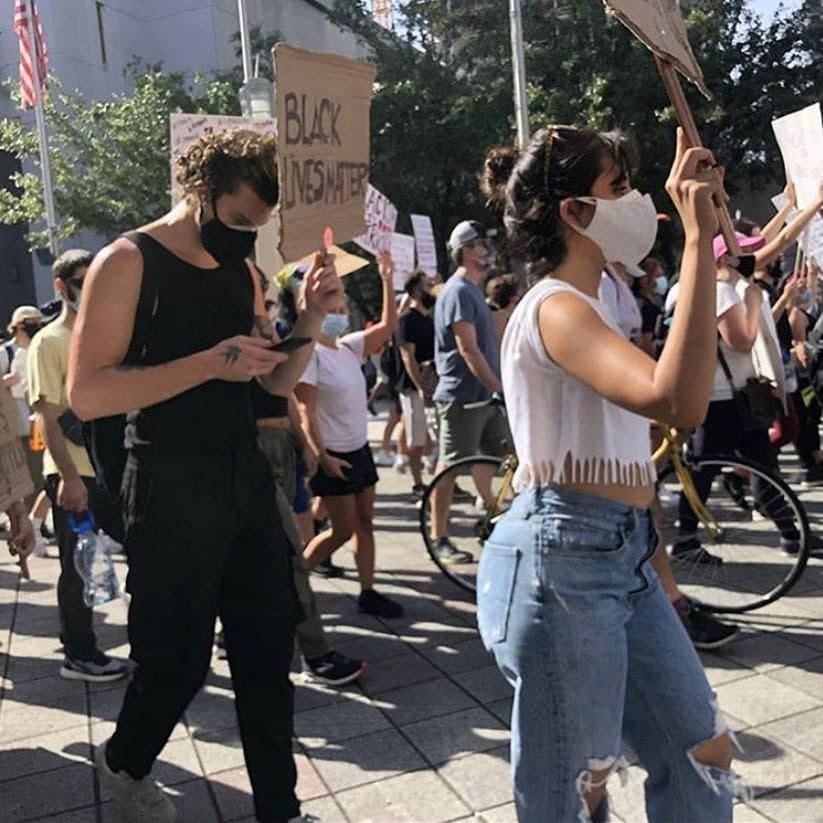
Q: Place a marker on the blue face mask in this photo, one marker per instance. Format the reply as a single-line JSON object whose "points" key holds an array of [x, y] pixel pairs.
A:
{"points": [[335, 324]]}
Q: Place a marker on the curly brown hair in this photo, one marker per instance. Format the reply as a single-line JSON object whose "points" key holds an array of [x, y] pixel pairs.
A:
{"points": [[218, 163]]}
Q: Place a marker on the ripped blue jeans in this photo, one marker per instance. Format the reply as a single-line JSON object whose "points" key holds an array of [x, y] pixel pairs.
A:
{"points": [[579, 625]]}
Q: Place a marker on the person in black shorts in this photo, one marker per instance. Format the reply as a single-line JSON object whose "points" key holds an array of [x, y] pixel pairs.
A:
{"points": [[204, 537], [335, 421]]}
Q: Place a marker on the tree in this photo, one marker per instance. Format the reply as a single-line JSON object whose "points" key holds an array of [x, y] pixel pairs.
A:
{"points": [[444, 89]]}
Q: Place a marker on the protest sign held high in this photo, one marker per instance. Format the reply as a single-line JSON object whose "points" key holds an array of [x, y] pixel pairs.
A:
{"points": [[426, 248], [323, 104], [800, 137], [402, 252], [381, 218]]}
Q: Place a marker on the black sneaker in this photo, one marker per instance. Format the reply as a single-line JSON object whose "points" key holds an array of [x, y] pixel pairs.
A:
{"points": [[792, 546], [735, 487], [418, 490], [705, 632], [689, 549], [100, 669], [47, 534], [448, 554], [335, 669], [328, 569], [813, 476], [372, 602]]}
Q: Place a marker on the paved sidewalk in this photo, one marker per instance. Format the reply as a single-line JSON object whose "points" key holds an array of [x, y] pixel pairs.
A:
{"points": [[423, 738]]}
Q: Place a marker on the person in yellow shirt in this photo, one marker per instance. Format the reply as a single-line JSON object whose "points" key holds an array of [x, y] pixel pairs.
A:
{"points": [[68, 473]]}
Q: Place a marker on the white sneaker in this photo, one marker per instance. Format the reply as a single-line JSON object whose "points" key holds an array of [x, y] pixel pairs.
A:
{"points": [[384, 459], [135, 801], [401, 464], [40, 548]]}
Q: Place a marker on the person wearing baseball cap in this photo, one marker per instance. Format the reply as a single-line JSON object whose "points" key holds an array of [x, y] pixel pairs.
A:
{"points": [[468, 370], [26, 321]]}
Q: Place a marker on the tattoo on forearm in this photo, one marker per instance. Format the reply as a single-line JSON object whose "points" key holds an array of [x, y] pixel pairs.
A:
{"points": [[231, 355]]}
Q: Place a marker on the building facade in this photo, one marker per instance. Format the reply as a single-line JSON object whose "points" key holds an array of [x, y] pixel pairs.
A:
{"points": [[91, 42]]}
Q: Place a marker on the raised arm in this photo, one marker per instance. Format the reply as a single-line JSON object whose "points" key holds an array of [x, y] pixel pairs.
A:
{"points": [[676, 388], [771, 229], [772, 250], [322, 288], [376, 336], [99, 385]]}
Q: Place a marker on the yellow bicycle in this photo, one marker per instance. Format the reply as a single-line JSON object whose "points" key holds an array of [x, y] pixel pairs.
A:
{"points": [[745, 551]]}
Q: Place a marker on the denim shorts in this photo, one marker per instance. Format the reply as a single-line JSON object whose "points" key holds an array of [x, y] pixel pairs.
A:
{"points": [[579, 625]]}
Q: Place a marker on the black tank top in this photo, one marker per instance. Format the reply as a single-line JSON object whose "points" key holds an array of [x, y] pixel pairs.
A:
{"points": [[265, 405], [195, 309]]}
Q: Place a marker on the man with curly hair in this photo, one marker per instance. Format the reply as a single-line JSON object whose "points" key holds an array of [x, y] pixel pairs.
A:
{"points": [[171, 330]]}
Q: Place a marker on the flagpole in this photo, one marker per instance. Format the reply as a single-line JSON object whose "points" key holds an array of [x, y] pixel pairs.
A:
{"points": [[42, 136], [521, 100]]}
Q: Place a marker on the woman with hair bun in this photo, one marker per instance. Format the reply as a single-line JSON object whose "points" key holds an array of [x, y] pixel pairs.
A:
{"points": [[568, 602]]}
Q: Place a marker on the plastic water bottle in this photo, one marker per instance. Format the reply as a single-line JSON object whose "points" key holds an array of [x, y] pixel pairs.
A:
{"points": [[93, 561]]}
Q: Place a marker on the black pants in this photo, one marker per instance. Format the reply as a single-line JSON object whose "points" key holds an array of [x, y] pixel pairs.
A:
{"points": [[204, 539], [808, 435], [76, 632], [722, 433]]}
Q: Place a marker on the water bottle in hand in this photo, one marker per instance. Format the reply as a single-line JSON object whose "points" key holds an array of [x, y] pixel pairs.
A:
{"points": [[93, 561]]}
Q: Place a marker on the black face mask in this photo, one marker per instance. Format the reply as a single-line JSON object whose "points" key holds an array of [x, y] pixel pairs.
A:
{"points": [[30, 328], [224, 244], [745, 266], [427, 300]]}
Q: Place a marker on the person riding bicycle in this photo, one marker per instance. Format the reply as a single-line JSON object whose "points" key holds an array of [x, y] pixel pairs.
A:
{"points": [[468, 371], [567, 600]]}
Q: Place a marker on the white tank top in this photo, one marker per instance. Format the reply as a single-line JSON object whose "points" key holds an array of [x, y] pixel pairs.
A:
{"points": [[563, 431]]}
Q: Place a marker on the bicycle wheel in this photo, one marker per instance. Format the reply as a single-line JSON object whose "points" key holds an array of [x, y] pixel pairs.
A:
{"points": [[741, 560], [470, 519]]}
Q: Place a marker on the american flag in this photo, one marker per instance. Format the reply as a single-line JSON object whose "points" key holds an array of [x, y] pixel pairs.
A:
{"points": [[29, 91]]}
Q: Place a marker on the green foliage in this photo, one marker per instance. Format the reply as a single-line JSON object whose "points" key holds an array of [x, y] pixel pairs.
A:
{"points": [[110, 158], [444, 91]]}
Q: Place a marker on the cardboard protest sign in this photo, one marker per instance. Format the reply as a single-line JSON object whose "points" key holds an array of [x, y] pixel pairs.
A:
{"points": [[402, 253], [15, 480], [660, 26], [426, 248], [800, 137], [323, 104], [381, 218], [186, 128]]}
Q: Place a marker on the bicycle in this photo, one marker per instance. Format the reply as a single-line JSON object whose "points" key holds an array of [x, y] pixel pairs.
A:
{"points": [[739, 566]]}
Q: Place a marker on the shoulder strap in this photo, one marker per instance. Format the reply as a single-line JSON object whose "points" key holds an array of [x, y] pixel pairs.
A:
{"points": [[724, 365], [146, 303]]}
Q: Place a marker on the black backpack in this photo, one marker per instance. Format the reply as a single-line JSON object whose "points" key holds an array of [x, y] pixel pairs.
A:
{"points": [[105, 437], [814, 348], [391, 363]]}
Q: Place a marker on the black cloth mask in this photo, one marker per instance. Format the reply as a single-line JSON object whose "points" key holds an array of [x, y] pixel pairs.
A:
{"points": [[427, 300], [225, 244]]}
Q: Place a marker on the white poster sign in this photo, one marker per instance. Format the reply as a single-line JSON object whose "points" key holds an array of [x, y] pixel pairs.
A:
{"points": [[426, 248], [381, 218], [402, 252], [186, 128], [811, 240], [800, 137]]}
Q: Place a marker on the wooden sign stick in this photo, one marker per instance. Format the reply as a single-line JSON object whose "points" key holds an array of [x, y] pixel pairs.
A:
{"points": [[671, 82]]}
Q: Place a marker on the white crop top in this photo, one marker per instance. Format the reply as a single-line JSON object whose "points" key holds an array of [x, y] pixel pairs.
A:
{"points": [[563, 431]]}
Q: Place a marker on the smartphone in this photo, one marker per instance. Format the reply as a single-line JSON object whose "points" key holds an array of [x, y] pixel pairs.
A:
{"points": [[291, 344]]}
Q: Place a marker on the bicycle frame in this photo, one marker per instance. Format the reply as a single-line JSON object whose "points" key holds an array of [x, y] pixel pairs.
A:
{"points": [[670, 449]]}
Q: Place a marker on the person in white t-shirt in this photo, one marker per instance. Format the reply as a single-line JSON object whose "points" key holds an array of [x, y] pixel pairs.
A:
{"points": [[333, 406], [742, 338]]}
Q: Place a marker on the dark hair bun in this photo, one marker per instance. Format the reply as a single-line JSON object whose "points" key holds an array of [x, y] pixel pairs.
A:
{"points": [[497, 169]]}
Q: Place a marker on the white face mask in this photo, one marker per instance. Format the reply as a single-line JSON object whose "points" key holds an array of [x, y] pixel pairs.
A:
{"points": [[661, 285], [624, 229]]}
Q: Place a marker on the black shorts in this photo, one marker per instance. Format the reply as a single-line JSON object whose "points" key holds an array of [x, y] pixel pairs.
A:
{"points": [[361, 476]]}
